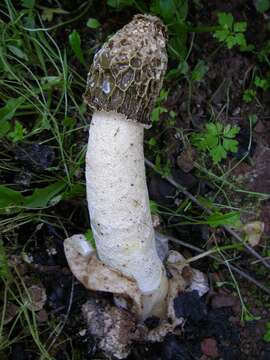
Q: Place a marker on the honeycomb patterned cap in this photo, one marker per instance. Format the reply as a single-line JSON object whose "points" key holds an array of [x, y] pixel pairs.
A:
{"points": [[127, 72]]}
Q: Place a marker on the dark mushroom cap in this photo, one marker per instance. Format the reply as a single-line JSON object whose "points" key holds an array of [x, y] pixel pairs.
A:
{"points": [[127, 73]]}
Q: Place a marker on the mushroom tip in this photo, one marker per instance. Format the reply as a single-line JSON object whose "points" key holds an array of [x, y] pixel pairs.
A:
{"points": [[151, 19], [127, 72]]}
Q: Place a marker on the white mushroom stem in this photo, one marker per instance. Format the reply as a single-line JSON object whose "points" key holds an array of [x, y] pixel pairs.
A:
{"points": [[118, 204]]}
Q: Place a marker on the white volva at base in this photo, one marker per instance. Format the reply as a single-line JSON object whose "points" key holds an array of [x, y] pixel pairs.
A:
{"points": [[118, 200]]}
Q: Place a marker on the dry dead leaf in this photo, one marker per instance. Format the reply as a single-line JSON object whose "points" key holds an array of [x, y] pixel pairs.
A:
{"points": [[253, 232]]}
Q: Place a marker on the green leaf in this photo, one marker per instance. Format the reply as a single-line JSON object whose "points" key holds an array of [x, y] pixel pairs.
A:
{"points": [[240, 26], [262, 5], [167, 10], [154, 207], [230, 131], [82, 108], [221, 35], [261, 83], [249, 95], [196, 139], [212, 128], [231, 41], [10, 200], [240, 40], [183, 67], [266, 336], [29, 4], [173, 74], [233, 132], [18, 52], [207, 139], [74, 191], [227, 129], [46, 196], [90, 237], [163, 95], [182, 9], [18, 133], [217, 154], [216, 140], [93, 23], [177, 44], [152, 141], [172, 11], [219, 127], [210, 141], [75, 43], [231, 32], [226, 20], [253, 119], [218, 219], [156, 113], [7, 112], [230, 145], [199, 71], [172, 114]]}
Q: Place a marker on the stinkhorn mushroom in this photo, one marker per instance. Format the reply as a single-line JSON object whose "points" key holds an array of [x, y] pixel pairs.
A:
{"points": [[124, 81]]}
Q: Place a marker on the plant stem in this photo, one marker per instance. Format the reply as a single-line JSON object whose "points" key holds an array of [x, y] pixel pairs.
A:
{"points": [[208, 211], [216, 258]]}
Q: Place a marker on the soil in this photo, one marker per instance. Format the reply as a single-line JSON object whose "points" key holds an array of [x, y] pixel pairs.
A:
{"points": [[214, 327]]}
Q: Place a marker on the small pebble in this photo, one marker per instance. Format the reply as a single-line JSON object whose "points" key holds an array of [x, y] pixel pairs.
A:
{"points": [[82, 332], [209, 347]]}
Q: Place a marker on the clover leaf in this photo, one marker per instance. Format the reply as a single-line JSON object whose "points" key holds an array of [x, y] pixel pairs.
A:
{"points": [[216, 140]]}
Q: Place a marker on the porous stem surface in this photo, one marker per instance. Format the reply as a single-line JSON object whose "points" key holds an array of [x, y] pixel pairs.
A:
{"points": [[118, 200]]}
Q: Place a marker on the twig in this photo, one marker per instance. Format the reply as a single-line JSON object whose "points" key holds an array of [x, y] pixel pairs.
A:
{"points": [[208, 211], [233, 268]]}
